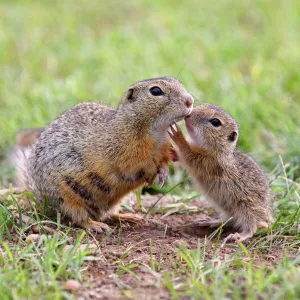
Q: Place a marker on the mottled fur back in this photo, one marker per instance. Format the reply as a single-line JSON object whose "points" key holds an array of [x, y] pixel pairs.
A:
{"points": [[90, 157]]}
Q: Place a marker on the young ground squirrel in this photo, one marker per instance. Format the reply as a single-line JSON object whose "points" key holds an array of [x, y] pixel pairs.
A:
{"points": [[232, 180], [91, 156]]}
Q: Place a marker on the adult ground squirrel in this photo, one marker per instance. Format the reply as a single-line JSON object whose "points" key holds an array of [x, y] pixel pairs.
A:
{"points": [[92, 155], [232, 180]]}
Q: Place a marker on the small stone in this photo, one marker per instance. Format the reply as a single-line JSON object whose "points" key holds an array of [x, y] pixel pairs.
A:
{"points": [[37, 229], [72, 285], [271, 257], [33, 238], [92, 248], [179, 244], [101, 274], [116, 254]]}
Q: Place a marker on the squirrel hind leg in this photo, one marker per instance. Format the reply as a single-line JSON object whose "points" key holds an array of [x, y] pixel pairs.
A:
{"points": [[77, 204], [238, 237], [128, 217], [267, 221], [245, 230], [80, 215], [96, 226], [75, 207], [207, 222]]}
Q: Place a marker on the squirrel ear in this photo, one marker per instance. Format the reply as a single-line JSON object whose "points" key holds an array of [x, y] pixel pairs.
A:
{"points": [[129, 96], [232, 136]]}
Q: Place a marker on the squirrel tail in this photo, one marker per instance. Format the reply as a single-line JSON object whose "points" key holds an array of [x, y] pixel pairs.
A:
{"points": [[20, 155], [19, 160]]}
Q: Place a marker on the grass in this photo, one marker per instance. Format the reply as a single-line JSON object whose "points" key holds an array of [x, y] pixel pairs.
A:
{"points": [[30, 270], [243, 274], [233, 277], [241, 55]]}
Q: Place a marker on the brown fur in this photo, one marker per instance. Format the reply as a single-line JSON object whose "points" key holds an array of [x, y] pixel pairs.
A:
{"points": [[93, 155], [232, 180]]}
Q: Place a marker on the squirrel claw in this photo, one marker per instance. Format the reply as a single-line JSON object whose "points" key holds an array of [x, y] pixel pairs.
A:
{"points": [[161, 183], [173, 130], [170, 134], [237, 237], [98, 227], [231, 238], [176, 125], [162, 176], [128, 217], [176, 134]]}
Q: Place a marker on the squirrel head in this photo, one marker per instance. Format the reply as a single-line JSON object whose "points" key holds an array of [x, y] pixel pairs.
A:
{"points": [[212, 128], [160, 101]]}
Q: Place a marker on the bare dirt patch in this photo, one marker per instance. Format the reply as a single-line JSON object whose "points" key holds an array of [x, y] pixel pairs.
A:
{"points": [[136, 257], [133, 259]]}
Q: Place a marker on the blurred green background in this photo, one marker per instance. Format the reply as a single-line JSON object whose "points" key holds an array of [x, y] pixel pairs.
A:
{"points": [[241, 55]]}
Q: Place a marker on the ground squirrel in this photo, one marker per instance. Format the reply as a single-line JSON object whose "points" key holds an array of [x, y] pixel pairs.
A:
{"points": [[92, 155], [232, 180]]}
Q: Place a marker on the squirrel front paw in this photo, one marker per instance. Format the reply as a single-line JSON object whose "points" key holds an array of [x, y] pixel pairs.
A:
{"points": [[176, 135], [174, 155], [163, 174]]}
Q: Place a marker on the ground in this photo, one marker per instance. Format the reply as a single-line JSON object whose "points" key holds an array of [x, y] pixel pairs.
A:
{"points": [[165, 257], [241, 55]]}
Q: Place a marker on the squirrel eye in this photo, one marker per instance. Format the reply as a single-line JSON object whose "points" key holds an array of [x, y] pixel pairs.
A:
{"points": [[156, 91], [215, 122]]}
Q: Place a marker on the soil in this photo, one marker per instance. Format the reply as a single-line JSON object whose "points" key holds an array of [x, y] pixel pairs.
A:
{"points": [[123, 270], [166, 235]]}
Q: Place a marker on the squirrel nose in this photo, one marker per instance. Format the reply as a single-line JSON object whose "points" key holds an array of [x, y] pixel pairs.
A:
{"points": [[189, 102]]}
